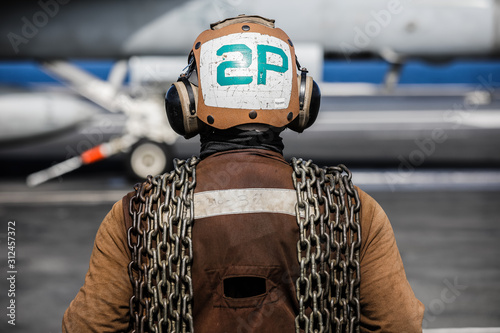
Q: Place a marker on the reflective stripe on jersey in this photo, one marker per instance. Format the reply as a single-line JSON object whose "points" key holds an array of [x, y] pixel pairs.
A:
{"points": [[244, 201]]}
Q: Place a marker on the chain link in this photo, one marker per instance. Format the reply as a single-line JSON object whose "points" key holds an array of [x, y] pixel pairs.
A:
{"points": [[327, 213], [160, 241]]}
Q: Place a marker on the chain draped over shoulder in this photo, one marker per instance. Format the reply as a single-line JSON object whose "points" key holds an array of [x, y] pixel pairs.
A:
{"points": [[162, 251], [327, 213], [160, 240]]}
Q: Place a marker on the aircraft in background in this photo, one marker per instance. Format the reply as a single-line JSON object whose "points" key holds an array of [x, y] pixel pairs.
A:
{"points": [[121, 29], [151, 39], [55, 113]]}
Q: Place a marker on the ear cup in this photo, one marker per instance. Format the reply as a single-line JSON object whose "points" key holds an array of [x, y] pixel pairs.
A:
{"points": [[181, 102], [310, 97], [314, 104]]}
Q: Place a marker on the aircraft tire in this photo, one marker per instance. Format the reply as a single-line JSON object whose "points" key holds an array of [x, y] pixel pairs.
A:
{"points": [[148, 158]]}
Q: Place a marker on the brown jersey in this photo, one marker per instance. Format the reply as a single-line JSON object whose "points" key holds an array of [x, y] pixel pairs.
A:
{"points": [[245, 257]]}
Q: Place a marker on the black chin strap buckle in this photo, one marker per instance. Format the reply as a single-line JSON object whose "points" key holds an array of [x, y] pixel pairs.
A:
{"points": [[188, 70]]}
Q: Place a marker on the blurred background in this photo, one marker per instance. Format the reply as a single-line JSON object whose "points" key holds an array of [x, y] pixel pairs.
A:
{"points": [[411, 104]]}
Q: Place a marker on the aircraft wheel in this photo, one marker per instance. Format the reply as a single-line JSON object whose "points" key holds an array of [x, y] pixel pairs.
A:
{"points": [[148, 158]]}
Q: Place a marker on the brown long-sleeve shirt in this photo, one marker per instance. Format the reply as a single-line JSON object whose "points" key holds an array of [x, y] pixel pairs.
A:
{"points": [[255, 244]]}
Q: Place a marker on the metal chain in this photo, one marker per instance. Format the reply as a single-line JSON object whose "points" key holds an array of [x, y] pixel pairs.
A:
{"points": [[327, 213], [160, 241]]}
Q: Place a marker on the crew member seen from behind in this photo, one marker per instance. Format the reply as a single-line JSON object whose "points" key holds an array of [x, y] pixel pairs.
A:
{"points": [[239, 239]]}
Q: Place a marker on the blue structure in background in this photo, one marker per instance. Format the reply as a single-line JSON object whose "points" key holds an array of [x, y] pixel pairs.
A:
{"points": [[29, 73], [414, 72]]}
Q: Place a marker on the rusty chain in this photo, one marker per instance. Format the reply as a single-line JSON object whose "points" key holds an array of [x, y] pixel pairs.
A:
{"points": [[327, 213], [160, 241]]}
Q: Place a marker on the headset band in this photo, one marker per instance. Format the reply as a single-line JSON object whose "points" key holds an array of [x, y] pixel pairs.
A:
{"points": [[302, 95], [303, 78]]}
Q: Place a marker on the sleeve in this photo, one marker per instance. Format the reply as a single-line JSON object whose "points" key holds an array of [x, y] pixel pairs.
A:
{"points": [[102, 304], [388, 303]]}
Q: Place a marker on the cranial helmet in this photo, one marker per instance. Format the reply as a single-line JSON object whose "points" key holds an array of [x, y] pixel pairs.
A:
{"points": [[242, 71]]}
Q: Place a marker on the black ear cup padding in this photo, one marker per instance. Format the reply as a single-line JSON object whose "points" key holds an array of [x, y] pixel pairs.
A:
{"points": [[314, 105], [309, 99], [173, 108]]}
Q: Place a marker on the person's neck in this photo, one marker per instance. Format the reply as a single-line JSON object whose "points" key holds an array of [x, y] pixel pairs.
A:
{"points": [[214, 140]]}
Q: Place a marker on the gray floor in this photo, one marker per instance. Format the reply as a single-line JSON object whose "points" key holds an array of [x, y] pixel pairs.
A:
{"points": [[448, 238]]}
